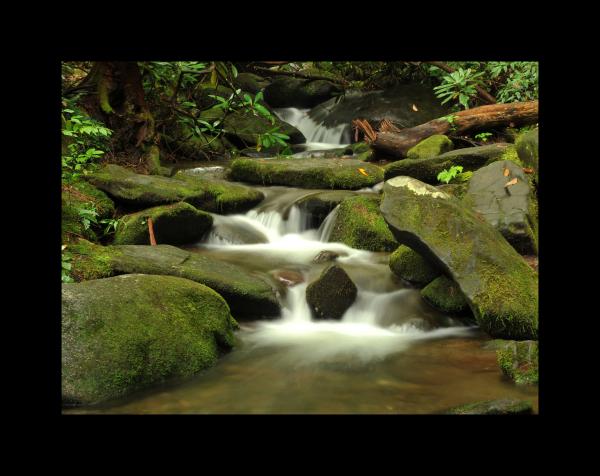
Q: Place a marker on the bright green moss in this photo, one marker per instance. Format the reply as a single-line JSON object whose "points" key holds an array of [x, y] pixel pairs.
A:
{"points": [[431, 147], [411, 266], [90, 261], [519, 361], [445, 295]]}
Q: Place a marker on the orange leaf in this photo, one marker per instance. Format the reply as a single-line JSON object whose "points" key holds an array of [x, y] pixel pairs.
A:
{"points": [[414, 108], [506, 171], [528, 170], [362, 171], [512, 182]]}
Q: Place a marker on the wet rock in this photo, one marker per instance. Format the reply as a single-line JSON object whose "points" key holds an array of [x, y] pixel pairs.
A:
{"points": [[251, 83], [501, 289], [325, 256], [307, 173], [331, 294], [288, 277], [494, 407], [125, 333], [412, 267], [243, 128], [300, 93], [528, 149], [172, 224], [445, 295], [250, 295], [471, 158], [433, 146], [511, 210], [518, 360], [359, 224], [236, 233], [143, 191], [319, 205]]}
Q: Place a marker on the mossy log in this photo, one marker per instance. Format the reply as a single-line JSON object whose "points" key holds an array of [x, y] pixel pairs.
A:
{"points": [[397, 144]]}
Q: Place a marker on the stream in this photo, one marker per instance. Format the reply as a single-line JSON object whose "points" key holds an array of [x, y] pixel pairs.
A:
{"points": [[390, 353]]}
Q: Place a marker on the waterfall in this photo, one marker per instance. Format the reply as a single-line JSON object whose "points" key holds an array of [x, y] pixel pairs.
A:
{"points": [[317, 134]]}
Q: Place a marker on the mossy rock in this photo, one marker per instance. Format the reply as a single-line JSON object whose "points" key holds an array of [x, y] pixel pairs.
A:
{"points": [[250, 295], [433, 146], [528, 149], [471, 158], [143, 191], [359, 224], [362, 151], [457, 190], [494, 407], [412, 267], [331, 294], [319, 205], [125, 333], [508, 209], [204, 91], [445, 295], [74, 197], [172, 225], [243, 127], [307, 173], [302, 93], [500, 287], [251, 83], [519, 361]]}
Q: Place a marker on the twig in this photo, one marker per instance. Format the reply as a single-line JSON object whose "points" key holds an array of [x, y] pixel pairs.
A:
{"points": [[151, 231]]}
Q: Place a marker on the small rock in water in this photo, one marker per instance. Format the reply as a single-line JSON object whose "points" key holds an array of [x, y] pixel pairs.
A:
{"points": [[288, 277], [494, 407], [330, 295], [325, 256]]}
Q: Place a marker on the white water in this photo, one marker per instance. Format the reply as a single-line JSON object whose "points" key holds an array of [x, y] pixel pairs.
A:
{"points": [[361, 333], [318, 137]]}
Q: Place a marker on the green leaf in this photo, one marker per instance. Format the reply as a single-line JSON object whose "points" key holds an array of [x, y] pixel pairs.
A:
{"points": [[247, 98], [258, 97], [234, 71], [262, 110]]}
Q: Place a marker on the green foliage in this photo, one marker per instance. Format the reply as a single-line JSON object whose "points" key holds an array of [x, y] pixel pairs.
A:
{"points": [[448, 174], [85, 143], [66, 266], [89, 218], [272, 137], [514, 81], [460, 86], [483, 136]]}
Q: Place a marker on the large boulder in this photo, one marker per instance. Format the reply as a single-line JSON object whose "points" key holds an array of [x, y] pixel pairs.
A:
{"points": [[143, 191], [251, 83], [510, 209], [330, 295], [319, 205], [300, 93], [129, 332], [433, 146], [249, 294], [344, 174], [172, 225], [243, 128], [528, 149], [75, 197], [412, 267], [505, 406], [470, 158], [359, 224], [501, 289], [445, 295]]}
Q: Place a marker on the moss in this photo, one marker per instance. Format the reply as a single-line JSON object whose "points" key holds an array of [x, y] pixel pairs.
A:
{"points": [[125, 333], [519, 361], [411, 266], [90, 261], [359, 224], [493, 407], [445, 295], [510, 154], [527, 148], [433, 146], [173, 224], [307, 173]]}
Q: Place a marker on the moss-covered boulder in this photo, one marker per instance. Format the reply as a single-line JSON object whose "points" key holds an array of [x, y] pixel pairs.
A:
{"points": [[359, 224], [510, 209], [445, 295], [471, 158], [129, 332], [519, 361], [75, 197], [528, 149], [412, 267], [250, 295], [251, 83], [362, 151], [243, 128], [302, 93], [143, 191], [347, 174], [501, 289], [331, 294], [172, 224], [319, 205], [494, 407], [433, 146]]}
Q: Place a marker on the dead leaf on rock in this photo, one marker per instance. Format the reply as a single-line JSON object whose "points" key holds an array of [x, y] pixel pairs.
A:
{"points": [[414, 108], [528, 170], [362, 171], [506, 171], [511, 182]]}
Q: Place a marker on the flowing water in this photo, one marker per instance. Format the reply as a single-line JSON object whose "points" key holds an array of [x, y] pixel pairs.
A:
{"points": [[390, 352]]}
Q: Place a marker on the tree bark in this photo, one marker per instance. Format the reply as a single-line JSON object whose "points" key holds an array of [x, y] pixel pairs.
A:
{"points": [[397, 144]]}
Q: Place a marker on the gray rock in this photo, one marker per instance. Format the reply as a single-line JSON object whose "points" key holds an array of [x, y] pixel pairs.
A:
{"points": [[325, 256], [301, 93], [331, 294]]}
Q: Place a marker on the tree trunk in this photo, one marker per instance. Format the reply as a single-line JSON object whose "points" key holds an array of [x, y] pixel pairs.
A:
{"points": [[397, 144]]}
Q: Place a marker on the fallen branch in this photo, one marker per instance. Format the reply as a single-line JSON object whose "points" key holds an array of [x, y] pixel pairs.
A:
{"points": [[151, 231], [479, 118]]}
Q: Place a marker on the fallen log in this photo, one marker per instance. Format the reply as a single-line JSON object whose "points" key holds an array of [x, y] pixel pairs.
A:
{"points": [[484, 117]]}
